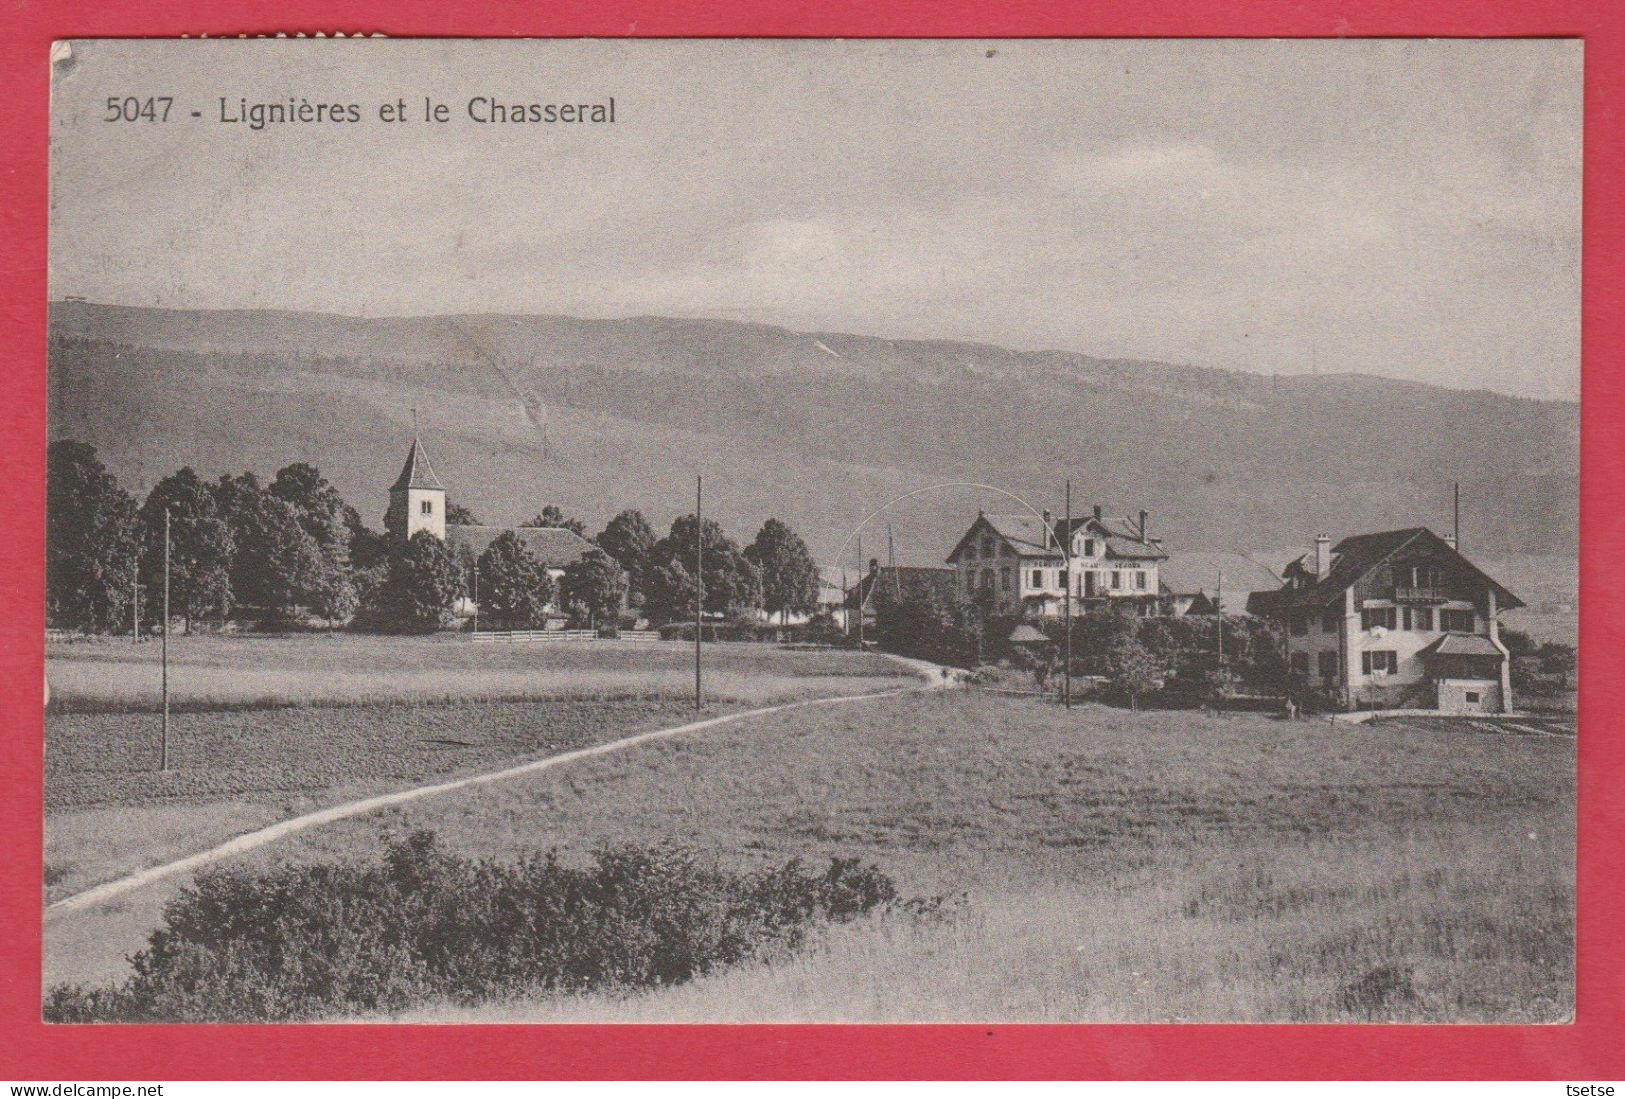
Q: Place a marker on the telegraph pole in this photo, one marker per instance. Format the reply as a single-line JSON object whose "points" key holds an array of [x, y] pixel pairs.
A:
{"points": [[863, 573], [891, 563], [135, 606], [1218, 617], [163, 743], [1066, 558], [476, 597], [699, 582], [1455, 525]]}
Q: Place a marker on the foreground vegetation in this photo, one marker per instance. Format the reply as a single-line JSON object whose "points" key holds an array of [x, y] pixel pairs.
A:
{"points": [[306, 942], [1113, 865]]}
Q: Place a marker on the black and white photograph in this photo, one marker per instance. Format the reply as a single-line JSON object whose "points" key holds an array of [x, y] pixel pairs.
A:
{"points": [[812, 531]]}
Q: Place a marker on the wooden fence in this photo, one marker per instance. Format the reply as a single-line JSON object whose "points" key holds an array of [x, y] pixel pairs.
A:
{"points": [[628, 636]]}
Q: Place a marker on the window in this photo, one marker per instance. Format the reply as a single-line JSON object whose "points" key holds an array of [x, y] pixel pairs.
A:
{"points": [[1329, 621], [1455, 621], [987, 547], [1372, 618], [1004, 579], [1422, 618], [970, 580], [1117, 580], [427, 507], [987, 579], [1327, 662], [1425, 576], [1300, 663], [1472, 696], [1379, 662], [1139, 580], [1405, 618], [1038, 578], [1088, 547], [1299, 625]]}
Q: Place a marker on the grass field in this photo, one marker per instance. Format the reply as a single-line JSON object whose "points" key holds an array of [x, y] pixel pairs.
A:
{"points": [[247, 748], [248, 672], [1111, 865]]}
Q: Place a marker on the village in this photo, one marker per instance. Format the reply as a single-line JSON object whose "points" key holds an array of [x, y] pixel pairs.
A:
{"points": [[1382, 621]]}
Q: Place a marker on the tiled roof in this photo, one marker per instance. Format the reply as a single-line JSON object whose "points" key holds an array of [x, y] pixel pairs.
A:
{"points": [[556, 547], [1025, 534], [417, 473], [912, 582], [1355, 556], [1462, 644]]}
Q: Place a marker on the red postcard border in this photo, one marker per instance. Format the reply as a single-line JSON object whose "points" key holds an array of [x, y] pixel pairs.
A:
{"points": [[1578, 1051]]}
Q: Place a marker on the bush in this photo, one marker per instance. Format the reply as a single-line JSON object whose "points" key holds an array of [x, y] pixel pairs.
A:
{"points": [[305, 942]]}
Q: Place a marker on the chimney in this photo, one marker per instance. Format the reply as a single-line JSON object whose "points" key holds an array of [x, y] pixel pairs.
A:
{"points": [[1049, 529], [1145, 524], [1098, 510], [874, 565], [1450, 540], [1323, 554]]}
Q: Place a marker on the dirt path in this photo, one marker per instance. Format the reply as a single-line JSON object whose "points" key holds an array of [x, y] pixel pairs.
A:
{"points": [[933, 678]]}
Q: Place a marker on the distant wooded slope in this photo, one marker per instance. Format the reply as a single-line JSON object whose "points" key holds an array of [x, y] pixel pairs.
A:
{"points": [[815, 428]]}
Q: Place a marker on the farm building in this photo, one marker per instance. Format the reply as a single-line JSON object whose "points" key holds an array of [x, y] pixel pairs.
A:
{"points": [[1397, 619], [905, 583]]}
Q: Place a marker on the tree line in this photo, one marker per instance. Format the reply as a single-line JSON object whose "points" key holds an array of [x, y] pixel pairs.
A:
{"points": [[285, 551]]}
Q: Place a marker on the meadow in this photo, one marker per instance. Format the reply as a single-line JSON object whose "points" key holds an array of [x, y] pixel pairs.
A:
{"points": [[1098, 864], [267, 728], [213, 672]]}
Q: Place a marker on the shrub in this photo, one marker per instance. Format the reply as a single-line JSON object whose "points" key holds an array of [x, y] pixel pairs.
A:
{"points": [[304, 942]]}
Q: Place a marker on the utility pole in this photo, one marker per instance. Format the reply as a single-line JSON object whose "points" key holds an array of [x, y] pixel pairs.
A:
{"points": [[846, 611], [699, 582], [1218, 617], [863, 574], [476, 597], [1066, 558], [863, 592], [163, 743], [891, 563], [135, 606], [1455, 524]]}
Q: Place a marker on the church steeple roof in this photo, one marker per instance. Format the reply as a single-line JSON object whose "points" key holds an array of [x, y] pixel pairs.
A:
{"points": [[417, 473]]}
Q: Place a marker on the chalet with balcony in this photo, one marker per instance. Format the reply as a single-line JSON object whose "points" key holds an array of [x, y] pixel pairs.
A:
{"points": [[1018, 564], [1397, 619]]}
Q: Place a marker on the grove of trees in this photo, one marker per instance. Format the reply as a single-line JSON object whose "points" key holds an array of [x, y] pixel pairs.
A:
{"points": [[284, 552]]}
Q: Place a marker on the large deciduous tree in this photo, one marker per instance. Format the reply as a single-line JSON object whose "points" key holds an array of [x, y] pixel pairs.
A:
{"points": [[201, 548], [629, 538], [594, 587], [553, 516], [732, 584], [789, 575], [320, 508], [421, 587], [91, 541], [514, 584], [277, 566]]}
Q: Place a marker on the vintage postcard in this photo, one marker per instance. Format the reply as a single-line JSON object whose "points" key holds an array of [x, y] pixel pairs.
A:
{"points": [[812, 531]]}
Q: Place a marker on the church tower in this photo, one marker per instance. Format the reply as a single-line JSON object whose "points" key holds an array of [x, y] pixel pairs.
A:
{"points": [[417, 500]]}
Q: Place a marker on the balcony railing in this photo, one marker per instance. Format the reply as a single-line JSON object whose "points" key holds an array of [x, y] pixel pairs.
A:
{"points": [[1420, 595]]}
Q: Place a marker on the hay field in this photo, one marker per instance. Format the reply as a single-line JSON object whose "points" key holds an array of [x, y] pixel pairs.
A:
{"points": [[247, 672], [1102, 865]]}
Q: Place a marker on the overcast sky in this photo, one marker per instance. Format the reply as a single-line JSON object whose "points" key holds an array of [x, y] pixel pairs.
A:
{"points": [[1401, 208]]}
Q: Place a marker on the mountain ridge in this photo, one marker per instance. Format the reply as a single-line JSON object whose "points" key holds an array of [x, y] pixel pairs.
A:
{"points": [[815, 427]]}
